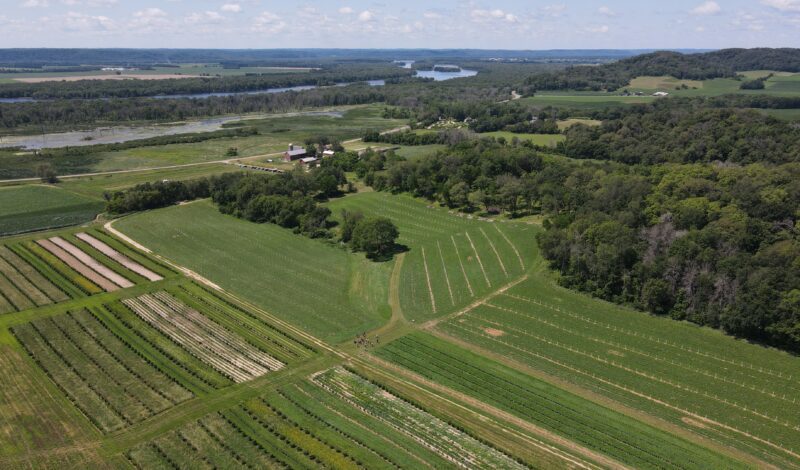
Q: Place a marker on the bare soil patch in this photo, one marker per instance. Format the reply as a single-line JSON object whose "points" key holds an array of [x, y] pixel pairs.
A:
{"points": [[494, 332], [75, 78]]}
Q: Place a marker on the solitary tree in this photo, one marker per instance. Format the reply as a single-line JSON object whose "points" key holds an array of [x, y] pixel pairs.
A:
{"points": [[375, 236]]}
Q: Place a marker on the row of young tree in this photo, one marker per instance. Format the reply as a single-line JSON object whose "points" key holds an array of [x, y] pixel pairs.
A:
{"points": [[713, 244], [290, 200]]}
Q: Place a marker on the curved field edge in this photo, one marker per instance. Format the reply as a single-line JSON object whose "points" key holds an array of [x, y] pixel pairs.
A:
{"points": [[315, 286]]}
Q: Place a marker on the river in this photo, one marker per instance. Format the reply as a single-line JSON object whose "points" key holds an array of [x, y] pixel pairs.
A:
{"points": [[112, 135]]}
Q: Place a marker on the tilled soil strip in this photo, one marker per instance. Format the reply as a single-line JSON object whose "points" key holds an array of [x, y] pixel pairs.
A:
{"points": [[84, 258], [81, 268], [119, 257]]}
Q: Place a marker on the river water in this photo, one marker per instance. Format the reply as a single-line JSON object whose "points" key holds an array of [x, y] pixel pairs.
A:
{"points": [[111, 135]]}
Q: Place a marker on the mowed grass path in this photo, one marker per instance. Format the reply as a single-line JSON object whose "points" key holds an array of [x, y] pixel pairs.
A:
{"points": [[38, 207], [452, 260], [698, 378], [320, 288]]}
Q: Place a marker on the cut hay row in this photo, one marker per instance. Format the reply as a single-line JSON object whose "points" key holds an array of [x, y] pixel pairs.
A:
{"points": [[513, 247], [428, 279], [478, 257], [452, 444], [747, 370], [79, 267], [499, 259], [211, 343], [32, 275], [119, 257], [651, 362], [646, 346], [461, 263], [23, 284], [444, 270], [95, 265]]}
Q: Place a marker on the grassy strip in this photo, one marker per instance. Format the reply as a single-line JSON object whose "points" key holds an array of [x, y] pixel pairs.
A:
{"points": [[14, 295], [274, 444], [23, 284]]}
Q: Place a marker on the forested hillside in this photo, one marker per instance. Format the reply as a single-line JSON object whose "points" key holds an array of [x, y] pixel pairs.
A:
{"points": [[717, 64]]}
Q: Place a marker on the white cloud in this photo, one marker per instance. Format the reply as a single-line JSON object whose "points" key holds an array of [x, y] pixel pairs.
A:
{"points": [[597, 29], [606, 11], [90, 3], [700, 29], [431, 15], [205, 17], [73, 21], [706, 8], [268, 22], [783, 5], [35, 4], [231, 8], [366, 16], [555, 10], [482, 16], [346, 11], [150, 13], [149, 20]]}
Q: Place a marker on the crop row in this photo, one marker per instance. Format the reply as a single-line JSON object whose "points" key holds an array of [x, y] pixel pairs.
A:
{"points": [[22, 286], [108, 381], [211, 343], [591, 425], [445, 440], [597, 373]]}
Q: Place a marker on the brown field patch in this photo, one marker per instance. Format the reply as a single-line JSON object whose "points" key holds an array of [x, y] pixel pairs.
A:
{"points": [[694, 422], [494, 332], [75, 78]]}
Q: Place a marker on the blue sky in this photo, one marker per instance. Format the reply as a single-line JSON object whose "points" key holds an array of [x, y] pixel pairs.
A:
{"points": [[506, 24]]}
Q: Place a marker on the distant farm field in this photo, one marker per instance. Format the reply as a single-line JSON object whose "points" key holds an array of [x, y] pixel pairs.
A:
{"points": [[545, 140], [662, 83], [318, 287], [27, 208]]}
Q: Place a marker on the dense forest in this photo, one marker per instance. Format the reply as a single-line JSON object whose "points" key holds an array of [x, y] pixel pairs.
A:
{"points": [[713, 244], [685, 131], [717, 64]]}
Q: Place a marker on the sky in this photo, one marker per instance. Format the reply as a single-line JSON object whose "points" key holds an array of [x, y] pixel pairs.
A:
{"points": [[495, 24]]}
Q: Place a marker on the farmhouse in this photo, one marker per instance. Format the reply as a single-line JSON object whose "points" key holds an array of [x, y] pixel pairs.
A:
{"points": [[294, 153], [328, 153], [308, 160]]}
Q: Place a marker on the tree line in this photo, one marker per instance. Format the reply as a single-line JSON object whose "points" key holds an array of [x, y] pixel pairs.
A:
{"points": [[291, 200]]}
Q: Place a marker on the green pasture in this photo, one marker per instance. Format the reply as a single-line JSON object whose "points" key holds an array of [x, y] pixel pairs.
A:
{"points": [[318, 287], [38, 207], [451, 260]]}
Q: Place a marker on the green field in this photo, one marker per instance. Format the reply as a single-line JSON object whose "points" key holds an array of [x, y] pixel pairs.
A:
{"points": [[35, 207], [184, 69], [618, 436], [545, 140], [318, 287], [726, 389], [451, 260]]}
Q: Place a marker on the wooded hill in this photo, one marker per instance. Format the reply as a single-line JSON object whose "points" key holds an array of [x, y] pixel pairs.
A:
{"points": [[717, 64]]}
